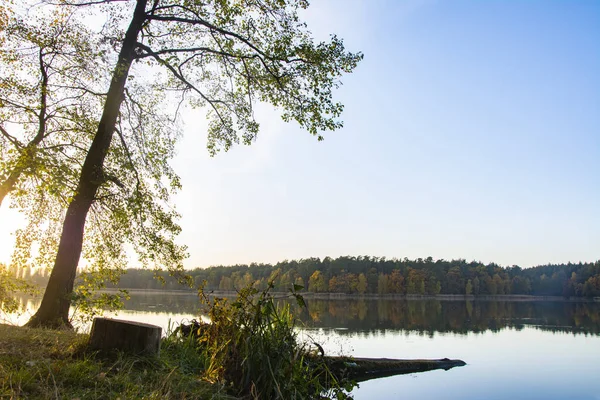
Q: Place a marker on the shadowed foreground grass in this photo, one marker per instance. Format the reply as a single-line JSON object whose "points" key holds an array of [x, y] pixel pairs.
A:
{"points": [[249, 350], [36, 363]]}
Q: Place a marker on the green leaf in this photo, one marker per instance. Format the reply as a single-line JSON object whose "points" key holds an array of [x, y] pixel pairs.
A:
{"points": [[297, 288]]}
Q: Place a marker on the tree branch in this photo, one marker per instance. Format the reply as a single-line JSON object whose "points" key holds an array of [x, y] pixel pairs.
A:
{"points": [[87, 3], [203, 22], [179, 76], [43, 103], [11, 138], [200, 21], [195, 50], [114, 179], [137, 176]]}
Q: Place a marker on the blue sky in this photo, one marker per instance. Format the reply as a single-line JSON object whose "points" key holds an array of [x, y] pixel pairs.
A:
{"points": [[472, 130]]}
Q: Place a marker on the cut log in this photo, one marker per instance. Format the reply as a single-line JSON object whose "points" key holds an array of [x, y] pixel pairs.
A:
{"points": [[109, 335], [364, 369]]}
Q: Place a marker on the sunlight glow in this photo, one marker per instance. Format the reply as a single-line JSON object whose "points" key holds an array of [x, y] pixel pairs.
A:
{"points": [[11, 220]]}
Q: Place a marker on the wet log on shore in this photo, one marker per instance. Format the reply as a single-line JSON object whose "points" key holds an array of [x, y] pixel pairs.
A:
{"points": [[363, 369], [109, 335]]}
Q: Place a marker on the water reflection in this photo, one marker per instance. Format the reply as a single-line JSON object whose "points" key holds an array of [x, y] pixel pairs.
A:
{"points": [[514, 350], [372, 316], [461, 317], [425, 316]]}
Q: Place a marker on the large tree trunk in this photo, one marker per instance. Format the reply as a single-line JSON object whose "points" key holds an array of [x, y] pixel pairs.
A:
{"points": [[54, 309]]}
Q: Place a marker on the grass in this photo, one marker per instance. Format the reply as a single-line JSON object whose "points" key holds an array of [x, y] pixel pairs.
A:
{"points": [[250, 350], [251, 344], [42, 364]]}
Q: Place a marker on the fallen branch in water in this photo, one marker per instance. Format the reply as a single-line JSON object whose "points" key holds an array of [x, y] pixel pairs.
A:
{"points": [[364, 369]]}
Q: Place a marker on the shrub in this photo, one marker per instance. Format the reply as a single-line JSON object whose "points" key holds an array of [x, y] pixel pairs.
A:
{"points": [[252, 346]]}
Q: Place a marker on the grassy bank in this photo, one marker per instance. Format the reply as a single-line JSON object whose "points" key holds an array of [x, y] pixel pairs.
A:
{"points": [[36, 363], [249, 350]]}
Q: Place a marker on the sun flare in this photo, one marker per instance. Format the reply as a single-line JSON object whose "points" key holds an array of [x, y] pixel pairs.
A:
{"points": [[10, 220]]}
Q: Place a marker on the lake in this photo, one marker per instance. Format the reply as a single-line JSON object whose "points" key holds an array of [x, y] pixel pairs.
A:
{"points": [[513, 349]]}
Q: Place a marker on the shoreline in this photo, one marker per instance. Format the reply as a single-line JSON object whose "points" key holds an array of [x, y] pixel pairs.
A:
{"points": [[67, 354], [372, 296]]}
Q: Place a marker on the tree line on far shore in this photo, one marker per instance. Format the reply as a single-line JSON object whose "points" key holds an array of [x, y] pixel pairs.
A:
{"points": [[378, 275]]}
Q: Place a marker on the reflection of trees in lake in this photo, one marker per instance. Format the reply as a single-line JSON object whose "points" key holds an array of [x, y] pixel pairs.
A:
{"points": [[430, 316], [427, 316]]}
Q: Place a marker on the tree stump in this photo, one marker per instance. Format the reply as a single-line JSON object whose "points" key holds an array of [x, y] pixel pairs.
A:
{"points": [[108, 335]]}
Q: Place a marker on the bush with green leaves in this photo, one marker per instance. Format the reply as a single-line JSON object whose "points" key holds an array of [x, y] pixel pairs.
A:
{"points": [[251, 345]]}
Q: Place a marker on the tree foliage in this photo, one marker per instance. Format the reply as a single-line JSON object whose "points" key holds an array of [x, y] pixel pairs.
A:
{"points": [[399, 276], [46, 105], [51, 95], [100, 163]]}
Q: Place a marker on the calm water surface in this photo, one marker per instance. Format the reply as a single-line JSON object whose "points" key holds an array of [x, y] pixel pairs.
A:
{"points": [[513, 350]]}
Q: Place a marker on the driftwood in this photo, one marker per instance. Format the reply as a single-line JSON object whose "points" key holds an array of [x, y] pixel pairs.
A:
{"points": [[357, 369], [363, 369], [108, 335]]}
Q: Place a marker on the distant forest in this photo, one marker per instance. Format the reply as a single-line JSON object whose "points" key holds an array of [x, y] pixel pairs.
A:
{"points": [[373, 275]]}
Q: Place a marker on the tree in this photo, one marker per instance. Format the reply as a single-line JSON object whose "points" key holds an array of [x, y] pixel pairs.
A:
{"points": [[499, 284], [520, 285], [42, 101], [352, 282], [396, 282], [476, 286], [221, 54], [336, 284], [226, 283], [45, 111], [299, 282], [591, 287], [372, 279], [50, 99], [454, 281], [317, 283], [288, 279], [491, 285], [421, 288], [362, 284], [382, 284], [468, 288]]}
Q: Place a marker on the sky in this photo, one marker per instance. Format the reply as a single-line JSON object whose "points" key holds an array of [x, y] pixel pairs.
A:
{"points": [[471, 130]]}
